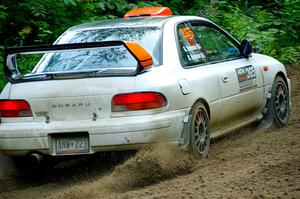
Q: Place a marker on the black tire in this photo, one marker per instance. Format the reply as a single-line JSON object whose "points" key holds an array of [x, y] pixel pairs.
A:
{"points": [[199, 131], [280, 102]]}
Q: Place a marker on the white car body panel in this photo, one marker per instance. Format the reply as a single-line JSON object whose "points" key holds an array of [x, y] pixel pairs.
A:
{"points": [[85, 97], [5, 94], [84, 105]]}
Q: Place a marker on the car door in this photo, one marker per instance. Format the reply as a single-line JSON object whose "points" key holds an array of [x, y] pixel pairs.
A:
{"points": [[201, 77], [240, 78]]}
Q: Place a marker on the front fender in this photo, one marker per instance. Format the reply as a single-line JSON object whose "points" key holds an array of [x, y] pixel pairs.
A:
{"points": [[274, 68]]}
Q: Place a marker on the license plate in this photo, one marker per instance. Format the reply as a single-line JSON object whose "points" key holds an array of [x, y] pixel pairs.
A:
{"points": [[72, 144]]}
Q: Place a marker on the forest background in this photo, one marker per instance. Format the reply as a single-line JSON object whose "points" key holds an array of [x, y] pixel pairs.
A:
{"points": [[272, 26]]}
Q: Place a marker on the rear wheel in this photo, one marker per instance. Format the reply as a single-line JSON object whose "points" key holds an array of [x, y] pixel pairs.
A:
{"points": [[280, 102], [200, 130]]}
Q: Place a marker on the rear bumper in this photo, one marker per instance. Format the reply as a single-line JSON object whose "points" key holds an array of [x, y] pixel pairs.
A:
{"points": [[122, 133]]}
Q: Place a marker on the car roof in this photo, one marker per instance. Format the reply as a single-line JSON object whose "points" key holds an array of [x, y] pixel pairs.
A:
{"points": [[122, 22], [157, 21]]}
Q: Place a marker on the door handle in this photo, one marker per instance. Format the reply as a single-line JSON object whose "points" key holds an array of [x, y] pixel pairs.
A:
{"points": [[225, 79]]}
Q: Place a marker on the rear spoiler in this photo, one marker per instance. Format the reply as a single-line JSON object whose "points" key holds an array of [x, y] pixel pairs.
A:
{"points": [[11, 71]]}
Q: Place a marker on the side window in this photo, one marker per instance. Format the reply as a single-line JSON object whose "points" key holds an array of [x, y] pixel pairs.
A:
{"points": [[216, 45], [191, 50]]}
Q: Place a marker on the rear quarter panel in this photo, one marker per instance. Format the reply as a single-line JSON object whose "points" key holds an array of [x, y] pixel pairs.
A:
{"points": [[5, 93]]}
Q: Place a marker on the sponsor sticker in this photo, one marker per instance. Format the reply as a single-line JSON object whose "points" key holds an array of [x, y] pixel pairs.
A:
{"points": [[188, 34], [246, 76]]}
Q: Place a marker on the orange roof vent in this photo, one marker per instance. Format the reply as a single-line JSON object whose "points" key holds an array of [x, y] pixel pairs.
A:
{"points": [[149, 12]]}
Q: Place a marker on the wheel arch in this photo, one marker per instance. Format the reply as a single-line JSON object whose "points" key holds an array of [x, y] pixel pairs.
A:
{"points": [[205, 103], [281, 74]]}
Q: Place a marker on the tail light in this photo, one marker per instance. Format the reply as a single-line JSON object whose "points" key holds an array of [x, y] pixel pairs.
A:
{"points": [[138, 101], [15, 108]]}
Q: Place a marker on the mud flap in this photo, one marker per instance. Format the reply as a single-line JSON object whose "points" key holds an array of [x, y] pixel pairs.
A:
{"points": [[184, 140], [268, 118]]}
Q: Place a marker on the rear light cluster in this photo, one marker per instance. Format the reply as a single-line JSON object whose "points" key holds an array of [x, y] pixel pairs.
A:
{"points": [[138, 101], [15, 108]]}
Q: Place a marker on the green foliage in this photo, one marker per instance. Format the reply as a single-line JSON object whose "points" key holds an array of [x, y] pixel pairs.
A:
{"points": [[27, 62], [273, 26]]}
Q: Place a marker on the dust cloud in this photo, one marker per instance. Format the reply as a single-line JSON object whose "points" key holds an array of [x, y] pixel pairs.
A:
{"points": [[149, 166]]}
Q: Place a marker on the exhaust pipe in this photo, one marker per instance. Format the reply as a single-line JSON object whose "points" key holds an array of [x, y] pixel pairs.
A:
{"points": [[35, 159]]}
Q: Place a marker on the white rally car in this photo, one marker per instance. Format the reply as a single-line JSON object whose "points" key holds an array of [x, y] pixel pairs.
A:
{"points": [[125, 83]]}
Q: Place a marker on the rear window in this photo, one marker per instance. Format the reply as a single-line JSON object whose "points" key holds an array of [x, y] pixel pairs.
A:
{"points": [[147, 37], [114, 57]]}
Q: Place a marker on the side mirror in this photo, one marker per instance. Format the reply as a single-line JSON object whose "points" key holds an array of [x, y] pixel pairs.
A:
{"points": [[246, 48], [256, 49]]}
